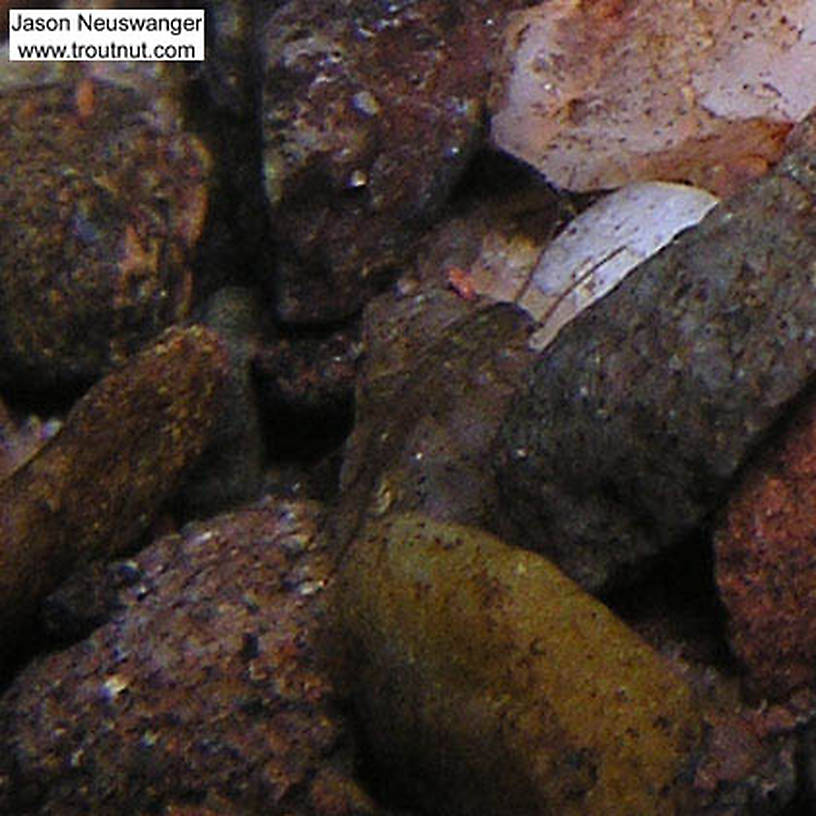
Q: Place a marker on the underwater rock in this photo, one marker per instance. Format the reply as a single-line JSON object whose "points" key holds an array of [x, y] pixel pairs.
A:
{"points": [[489, 683], [596, 95], [103, 199], [765, 570], [97, 484], [229, 472], [205, 688], [638, 416], [370, 114], [437, 375], [602, 245]]}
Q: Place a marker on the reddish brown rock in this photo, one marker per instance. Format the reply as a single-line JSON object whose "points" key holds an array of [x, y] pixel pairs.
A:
{"points": [[205, 694], [371, 111], [96, 486], [766, 569], [104, 196]]}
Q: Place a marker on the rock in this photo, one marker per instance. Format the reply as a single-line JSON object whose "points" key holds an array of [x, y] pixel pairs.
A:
{"points": [[205, 690], [229, 473], [638, 416], [602, 245], [96, 485], [21, 439], [437, 376], [488, 683], [310, 374], [596, 95], [765, 570], [370, 114], [104, 196]]}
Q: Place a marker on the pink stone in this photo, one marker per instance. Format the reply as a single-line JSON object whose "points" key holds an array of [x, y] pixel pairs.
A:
{"points": [[599, 94]]}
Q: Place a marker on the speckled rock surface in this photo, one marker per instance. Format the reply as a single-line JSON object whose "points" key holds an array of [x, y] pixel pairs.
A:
{"points": [[765, 566], [489, 683], [638, 416], [204, 691], [371, 111], [104, 196], [97, 484], [437, 375]]}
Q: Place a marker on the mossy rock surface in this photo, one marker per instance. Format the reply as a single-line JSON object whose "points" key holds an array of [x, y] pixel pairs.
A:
{"points": [[489, 683]]}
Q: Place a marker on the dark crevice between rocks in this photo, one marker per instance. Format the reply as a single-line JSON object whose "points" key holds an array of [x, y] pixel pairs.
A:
{"points": [[675, 604], [232, 249], [492, 174]]}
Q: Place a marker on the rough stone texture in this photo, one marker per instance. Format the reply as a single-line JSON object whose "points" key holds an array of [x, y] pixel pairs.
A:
{"points": [[313, 374], [489, 683], [749, 760], [103, 196], [96, 485], [765, 563], [596, 95], [437, 376], [371, 111], [205, 690], [638, 416]]}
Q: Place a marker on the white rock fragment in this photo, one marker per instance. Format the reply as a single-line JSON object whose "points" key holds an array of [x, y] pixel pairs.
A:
{"points": [[596, 95], [602, 245]]}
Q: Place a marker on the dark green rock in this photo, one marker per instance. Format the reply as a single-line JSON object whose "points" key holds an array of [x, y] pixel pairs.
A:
{"points": [[638, 416]]}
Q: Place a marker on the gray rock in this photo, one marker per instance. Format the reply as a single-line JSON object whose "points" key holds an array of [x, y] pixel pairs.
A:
{"points": [[639, 415]]}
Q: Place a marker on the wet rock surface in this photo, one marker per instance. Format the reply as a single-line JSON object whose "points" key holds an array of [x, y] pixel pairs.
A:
{"points": [[142, 426], [602, 94], [369, 116], [205, 689], [438, 375], [194, 676], [639, 415], [104, 196], [482, 674], [765, 570]]}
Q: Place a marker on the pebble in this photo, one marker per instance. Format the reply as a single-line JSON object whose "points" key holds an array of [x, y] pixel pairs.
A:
{"points": [[488, 682], [638, 417], [205, 688], [104, 201], [598, 95], [95, 487], [766, 572]]}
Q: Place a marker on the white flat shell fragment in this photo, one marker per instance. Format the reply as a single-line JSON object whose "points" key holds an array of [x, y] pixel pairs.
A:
{"points": [[596, 95], [602, 245]]}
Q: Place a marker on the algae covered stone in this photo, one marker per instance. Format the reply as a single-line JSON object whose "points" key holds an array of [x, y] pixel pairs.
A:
{"points": [[488, 682]]}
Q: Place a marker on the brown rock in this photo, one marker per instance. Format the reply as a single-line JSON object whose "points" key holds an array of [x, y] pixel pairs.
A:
{"points": [[489, 684], [766, 570], [370, 115], [437, 376], [205, 694], [97, 484], [104, 196]]}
